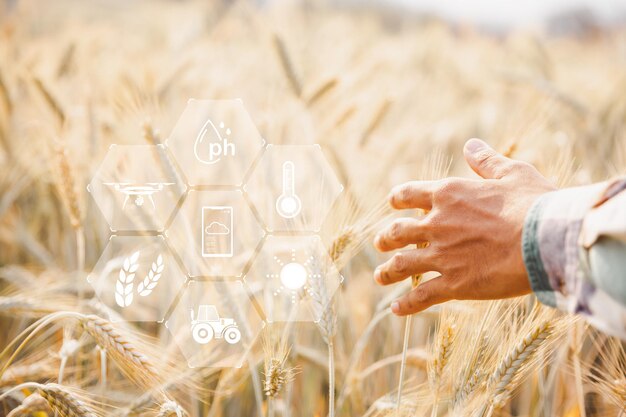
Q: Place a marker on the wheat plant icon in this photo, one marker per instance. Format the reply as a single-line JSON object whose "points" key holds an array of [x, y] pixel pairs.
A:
{"points": [[124, 285]]}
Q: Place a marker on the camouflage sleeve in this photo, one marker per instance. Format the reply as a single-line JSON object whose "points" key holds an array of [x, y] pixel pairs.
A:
{"points": [[574, 247]]}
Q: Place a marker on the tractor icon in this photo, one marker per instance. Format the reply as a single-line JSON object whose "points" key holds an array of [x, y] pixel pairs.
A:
{"points": [[208, 325]]}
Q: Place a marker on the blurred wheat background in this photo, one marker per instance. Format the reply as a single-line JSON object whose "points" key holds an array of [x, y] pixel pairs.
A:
{"points": [[390, 97]]}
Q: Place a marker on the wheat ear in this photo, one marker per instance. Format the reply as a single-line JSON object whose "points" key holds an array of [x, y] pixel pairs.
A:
{"points": [[440, 360], [321, 91], [503, 377], [5, 96], [67, 187], [134, 363], [324, 306], [170, 408], [50, 100], [119, 347], [60, 400], [619, 389], [69, 196], [277, 373], [287, 65], [63, 402], [444, 349], [33, 405], [341, 243]]}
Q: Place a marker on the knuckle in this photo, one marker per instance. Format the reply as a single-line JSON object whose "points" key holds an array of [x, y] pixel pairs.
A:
{"points": [[447, 190], [395, 230], [434, 221], [521, 167], [404, 193], [484, 156], [454, 285], [429, 224], [400, 263], [437, 255], [420, 297], [410, 304]]}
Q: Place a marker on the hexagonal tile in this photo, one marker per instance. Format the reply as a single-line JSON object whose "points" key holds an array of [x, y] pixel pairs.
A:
{"points": [[137, 277], [293, 187], [215, 233], [214, 324], [136, 187], [293, 278], [215, 142]]}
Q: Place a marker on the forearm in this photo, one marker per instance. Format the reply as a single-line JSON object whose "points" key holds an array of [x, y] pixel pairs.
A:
{"points": [[574, 246]]}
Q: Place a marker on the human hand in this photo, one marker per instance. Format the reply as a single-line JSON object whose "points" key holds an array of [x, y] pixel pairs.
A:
{"points": [[473, 229]]}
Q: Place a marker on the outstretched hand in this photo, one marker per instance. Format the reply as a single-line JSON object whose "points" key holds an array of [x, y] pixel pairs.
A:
{"points": [[472, 232]]}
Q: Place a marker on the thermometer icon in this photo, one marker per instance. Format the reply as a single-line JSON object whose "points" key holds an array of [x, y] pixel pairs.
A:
{"points": [[288, 204]]}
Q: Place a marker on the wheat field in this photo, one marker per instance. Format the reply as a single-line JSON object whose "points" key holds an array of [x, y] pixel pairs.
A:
{"points": [[389, 97]]}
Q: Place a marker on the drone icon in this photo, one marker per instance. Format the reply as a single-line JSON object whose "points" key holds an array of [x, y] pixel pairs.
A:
{"points": [[138, 191]]}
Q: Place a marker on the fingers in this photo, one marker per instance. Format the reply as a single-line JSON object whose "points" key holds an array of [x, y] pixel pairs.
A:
{"points": [[427, 294], [413, 194], [485, 161], [402, 232], [404, 264]]}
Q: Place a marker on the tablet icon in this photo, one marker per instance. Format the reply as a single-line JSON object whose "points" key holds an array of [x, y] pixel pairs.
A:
{"points": [[217, 232]]}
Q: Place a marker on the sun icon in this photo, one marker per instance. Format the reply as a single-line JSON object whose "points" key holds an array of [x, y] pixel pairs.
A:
{"points": [[293, 277]]}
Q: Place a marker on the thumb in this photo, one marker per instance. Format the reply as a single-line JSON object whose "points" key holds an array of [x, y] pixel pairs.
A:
{"points": [[485, 161]]}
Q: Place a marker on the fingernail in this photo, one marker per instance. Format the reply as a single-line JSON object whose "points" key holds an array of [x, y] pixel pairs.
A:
{"points": [[395, 307], [377, 275], [475, 145]]}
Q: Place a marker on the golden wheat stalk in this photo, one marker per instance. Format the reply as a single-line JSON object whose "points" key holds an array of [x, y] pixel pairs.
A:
{"points": [[502, 379], [5, 96], [415, 281], [63, 402], [441, 356], [137, 366], [60, 399], [277, 375], [287, 64], [67, 187], [50, 100], [277, 372], [32, 406], [321, 91]]}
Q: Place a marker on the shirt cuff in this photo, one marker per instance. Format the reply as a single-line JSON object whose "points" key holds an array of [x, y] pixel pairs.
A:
{"points": [[551, 242], [537, 276]]}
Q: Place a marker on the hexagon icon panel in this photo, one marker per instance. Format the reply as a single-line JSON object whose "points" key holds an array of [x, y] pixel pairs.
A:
{"points": [[215, 142], [293, 278], [135, 188], [137, 277], [293, 187], [215, 233], [214, 324]]}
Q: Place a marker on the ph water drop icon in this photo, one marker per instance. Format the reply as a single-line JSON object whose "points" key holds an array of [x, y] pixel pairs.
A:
{"points": [[210, 146]]}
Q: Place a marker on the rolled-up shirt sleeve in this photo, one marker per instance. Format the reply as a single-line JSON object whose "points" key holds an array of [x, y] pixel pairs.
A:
{"points": [[574, 248]]}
